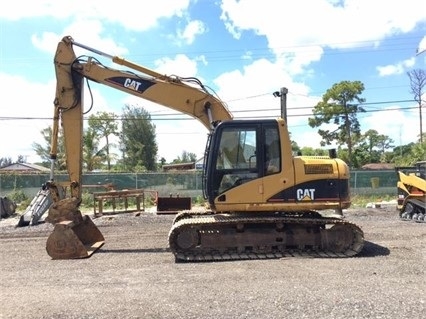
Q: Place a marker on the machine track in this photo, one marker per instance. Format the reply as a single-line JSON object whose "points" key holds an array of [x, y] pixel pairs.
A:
{"points": [[218, 237], [414, 211]]}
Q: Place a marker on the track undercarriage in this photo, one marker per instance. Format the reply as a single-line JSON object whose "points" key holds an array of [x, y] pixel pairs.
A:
{"points": [[414, 210], [210, 237]]}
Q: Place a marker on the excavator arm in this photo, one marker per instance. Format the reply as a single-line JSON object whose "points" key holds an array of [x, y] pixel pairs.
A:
{"points": [[186, 95]]}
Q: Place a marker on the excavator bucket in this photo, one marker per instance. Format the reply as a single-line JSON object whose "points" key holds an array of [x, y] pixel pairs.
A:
{"points": [[74, 235], [70, 240]]}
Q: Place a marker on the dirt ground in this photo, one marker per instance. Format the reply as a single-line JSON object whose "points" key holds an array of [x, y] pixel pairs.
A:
{"points": [[134, 275]]}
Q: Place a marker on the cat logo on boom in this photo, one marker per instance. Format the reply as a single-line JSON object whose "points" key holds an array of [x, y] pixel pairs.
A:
{"points": [[132, 84], [305, 194]]}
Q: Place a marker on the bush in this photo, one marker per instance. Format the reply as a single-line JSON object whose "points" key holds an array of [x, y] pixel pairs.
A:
{"points": [[87, 199], [18, 196]]}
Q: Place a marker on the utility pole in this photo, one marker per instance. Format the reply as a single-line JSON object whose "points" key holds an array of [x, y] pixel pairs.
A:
{"points": [[417, 84], [421, 82], [283, 95]]}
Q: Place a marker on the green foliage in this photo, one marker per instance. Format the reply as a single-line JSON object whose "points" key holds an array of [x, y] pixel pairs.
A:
{"points": [[408, 155], [18, 196], [310, 151], [86, 199], [150, 201], [199, 200], [44, 150], [371, 148], [340, 106], [138, 142], [104, 125], [186, 157]]}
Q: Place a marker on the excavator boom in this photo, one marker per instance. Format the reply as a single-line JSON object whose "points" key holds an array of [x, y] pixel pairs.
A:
{"points": [[186, 95]]}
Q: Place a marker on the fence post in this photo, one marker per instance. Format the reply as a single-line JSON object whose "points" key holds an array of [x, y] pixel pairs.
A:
{"points": [[355, 179]]}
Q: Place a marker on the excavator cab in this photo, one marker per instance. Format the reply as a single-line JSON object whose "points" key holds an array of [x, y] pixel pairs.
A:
{"points": [[255, 157], [238, 154], [245, 157]]}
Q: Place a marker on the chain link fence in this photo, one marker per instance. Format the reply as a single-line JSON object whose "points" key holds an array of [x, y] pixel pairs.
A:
{"points": [[185, 183]]}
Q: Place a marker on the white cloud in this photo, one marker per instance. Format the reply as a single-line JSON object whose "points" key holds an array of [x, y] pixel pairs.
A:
{"points": [[246, 89], [25, 101], [30, 105], [139, 17], [181, 65], [397, 68], [422, 46], [192, 29], [403, 126], [84, 32], [289, 26]]}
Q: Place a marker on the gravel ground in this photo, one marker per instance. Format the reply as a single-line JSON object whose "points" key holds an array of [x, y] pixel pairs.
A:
{"points": [[134, 276]]}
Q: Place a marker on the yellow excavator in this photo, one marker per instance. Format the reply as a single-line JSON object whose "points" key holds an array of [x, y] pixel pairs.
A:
{"points": [[263, 202]]}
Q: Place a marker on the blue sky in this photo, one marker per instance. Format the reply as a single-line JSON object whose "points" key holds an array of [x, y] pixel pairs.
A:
{"points": [[245, 50]]}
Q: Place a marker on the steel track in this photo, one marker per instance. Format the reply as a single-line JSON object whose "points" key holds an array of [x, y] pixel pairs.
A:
{"points": [[191, 231]]}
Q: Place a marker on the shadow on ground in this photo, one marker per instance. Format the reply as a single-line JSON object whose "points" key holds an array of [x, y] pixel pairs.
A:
{"points": [[370, 250], [373, 250]]}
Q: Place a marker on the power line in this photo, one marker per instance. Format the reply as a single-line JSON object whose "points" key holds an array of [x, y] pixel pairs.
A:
{"points": [[158, 117], [349, 47], [12, 118]]}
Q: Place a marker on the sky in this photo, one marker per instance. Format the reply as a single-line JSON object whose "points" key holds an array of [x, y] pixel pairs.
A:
{"points": [[244, 50]]}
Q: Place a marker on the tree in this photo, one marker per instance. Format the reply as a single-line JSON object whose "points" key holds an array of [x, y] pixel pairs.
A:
{"points": [[104, 125], [21, 159], [418, 151], [417, 84], [374, 145], [137, 140], [294, 147], [93, 157], [310, 151], [44, 150], [408, 155], [186, 157], [5, 161], [340, 103], [162, 162]]}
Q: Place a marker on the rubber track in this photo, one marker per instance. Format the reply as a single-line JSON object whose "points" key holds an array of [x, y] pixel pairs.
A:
{"points": [[197, 255], [410, 219], [419, 206]]}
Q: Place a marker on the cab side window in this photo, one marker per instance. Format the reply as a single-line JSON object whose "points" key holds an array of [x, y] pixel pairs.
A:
{"points": [[272, 151], [237, 158]]}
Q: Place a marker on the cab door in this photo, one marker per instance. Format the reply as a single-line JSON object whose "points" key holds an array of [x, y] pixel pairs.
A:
{"points": [[236, 165]]}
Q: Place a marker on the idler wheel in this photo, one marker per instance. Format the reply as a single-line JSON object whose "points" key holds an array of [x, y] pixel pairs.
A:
{"points": [[188, 238]]}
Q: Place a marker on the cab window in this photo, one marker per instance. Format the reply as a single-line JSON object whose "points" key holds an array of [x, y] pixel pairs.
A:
{"points": [[237, 160]]}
